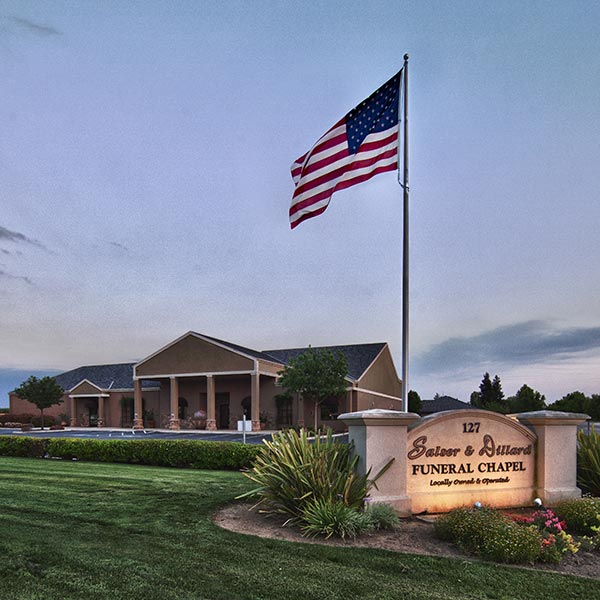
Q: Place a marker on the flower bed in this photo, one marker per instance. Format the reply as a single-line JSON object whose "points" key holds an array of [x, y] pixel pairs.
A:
{"points": [[541, 536]]}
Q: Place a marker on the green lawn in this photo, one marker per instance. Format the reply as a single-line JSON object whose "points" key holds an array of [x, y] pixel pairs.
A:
{"points": [[83, 530]]}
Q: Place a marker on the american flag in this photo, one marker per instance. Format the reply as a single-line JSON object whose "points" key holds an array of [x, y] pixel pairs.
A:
{"points": [[359, 146]]}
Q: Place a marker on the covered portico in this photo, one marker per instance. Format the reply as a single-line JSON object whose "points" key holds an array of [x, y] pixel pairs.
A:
{"points": [[208, 375], [87, 400]]}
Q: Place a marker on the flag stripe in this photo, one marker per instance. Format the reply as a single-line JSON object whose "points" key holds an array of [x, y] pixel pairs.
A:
{"points": [[337, 133], [316, 208], [318, 167], [361, 145], [349, 178]]}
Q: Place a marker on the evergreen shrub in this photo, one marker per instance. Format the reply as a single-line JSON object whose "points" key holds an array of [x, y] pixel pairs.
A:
{"points": [[580, 515], [22, 446], [496, 536], [487, 533], [193, 454]]}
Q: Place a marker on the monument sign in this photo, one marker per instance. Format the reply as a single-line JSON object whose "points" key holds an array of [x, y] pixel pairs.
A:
{"points": [[456, 458]]}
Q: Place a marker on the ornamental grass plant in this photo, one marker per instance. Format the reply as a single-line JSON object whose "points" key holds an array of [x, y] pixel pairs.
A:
{"points": [[588, 462], [304, 478], [332, 517]]}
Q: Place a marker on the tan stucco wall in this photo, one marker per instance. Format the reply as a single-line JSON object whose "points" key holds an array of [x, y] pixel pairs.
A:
{"points": [[85, 388], [381, 376], [193, 355], [366, 401], [267, 367]]}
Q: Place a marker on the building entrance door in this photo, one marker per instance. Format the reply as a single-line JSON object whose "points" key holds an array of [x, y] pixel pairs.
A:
{"points": [[92, 412], [222, 402]]}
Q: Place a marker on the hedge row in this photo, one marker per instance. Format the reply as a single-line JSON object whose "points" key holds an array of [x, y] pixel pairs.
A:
{"points": [[35, 420], [191, 454]]}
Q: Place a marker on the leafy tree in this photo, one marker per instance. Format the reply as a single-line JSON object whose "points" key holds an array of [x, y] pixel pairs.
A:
{"points": [[580, 403], [316, 375], [526, 399], [414, 402], [571, 402], [594, 407], [497, 393], [490, 395], [44, 393]]}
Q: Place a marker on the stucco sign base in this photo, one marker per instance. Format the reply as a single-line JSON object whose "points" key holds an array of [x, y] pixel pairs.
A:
{"points": [[456, 458]]}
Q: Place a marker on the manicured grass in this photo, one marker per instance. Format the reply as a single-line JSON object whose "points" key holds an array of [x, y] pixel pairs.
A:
{"points": [[86, 530]]}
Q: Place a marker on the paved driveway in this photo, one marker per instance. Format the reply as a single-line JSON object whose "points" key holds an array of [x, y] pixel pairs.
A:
{"points": [[129, 434]]}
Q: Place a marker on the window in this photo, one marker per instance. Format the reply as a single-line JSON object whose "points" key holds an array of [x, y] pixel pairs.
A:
{"points": [[284, 410]]}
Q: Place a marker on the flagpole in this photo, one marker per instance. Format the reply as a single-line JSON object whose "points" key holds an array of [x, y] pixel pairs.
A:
{"points": [[405, 245]]}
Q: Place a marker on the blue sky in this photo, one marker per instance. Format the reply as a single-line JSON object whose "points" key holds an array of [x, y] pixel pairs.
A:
{"points": [[144, 178]]}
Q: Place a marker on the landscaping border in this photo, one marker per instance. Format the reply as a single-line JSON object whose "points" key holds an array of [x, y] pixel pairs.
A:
{"points": [[190, 454]]}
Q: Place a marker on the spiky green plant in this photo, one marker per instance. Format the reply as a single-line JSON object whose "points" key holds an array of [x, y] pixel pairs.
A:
{"points": [[333, 517], [293, 471], [588, 462], [383, 516]]}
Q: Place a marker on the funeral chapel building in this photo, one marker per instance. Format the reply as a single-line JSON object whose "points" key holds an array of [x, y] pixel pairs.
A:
{"points": [[198, 381]]}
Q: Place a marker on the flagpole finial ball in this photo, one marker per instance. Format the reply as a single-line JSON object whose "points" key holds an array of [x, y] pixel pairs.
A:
{"points": [[406, 57]]}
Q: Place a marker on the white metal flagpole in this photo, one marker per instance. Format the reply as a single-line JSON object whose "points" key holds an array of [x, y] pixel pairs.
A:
{"points": [[405, 244]]}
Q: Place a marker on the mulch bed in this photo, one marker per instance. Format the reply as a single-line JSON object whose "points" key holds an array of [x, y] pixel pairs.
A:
{"points": [[414, 536]]}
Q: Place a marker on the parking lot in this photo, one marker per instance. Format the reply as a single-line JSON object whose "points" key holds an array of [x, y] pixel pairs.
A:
{"points": [[144, 434]]}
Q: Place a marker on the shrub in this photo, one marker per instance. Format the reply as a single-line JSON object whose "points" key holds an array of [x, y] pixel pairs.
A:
{"points": [[382, 516], [292, 472], [36, 421], [333, 517], [25, 418], [509, 542], [487, 533], [162, 453], [580, 515], [555, 540], [22, 446], [16, 418], [588, 462]]}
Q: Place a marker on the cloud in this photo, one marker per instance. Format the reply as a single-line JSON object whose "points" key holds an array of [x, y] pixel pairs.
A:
{"points": [[16, 237], [517, 344], [21, 277], [35, 28]]}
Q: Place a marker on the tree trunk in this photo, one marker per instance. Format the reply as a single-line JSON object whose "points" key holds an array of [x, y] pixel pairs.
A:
{"points": [[42, 411]]}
